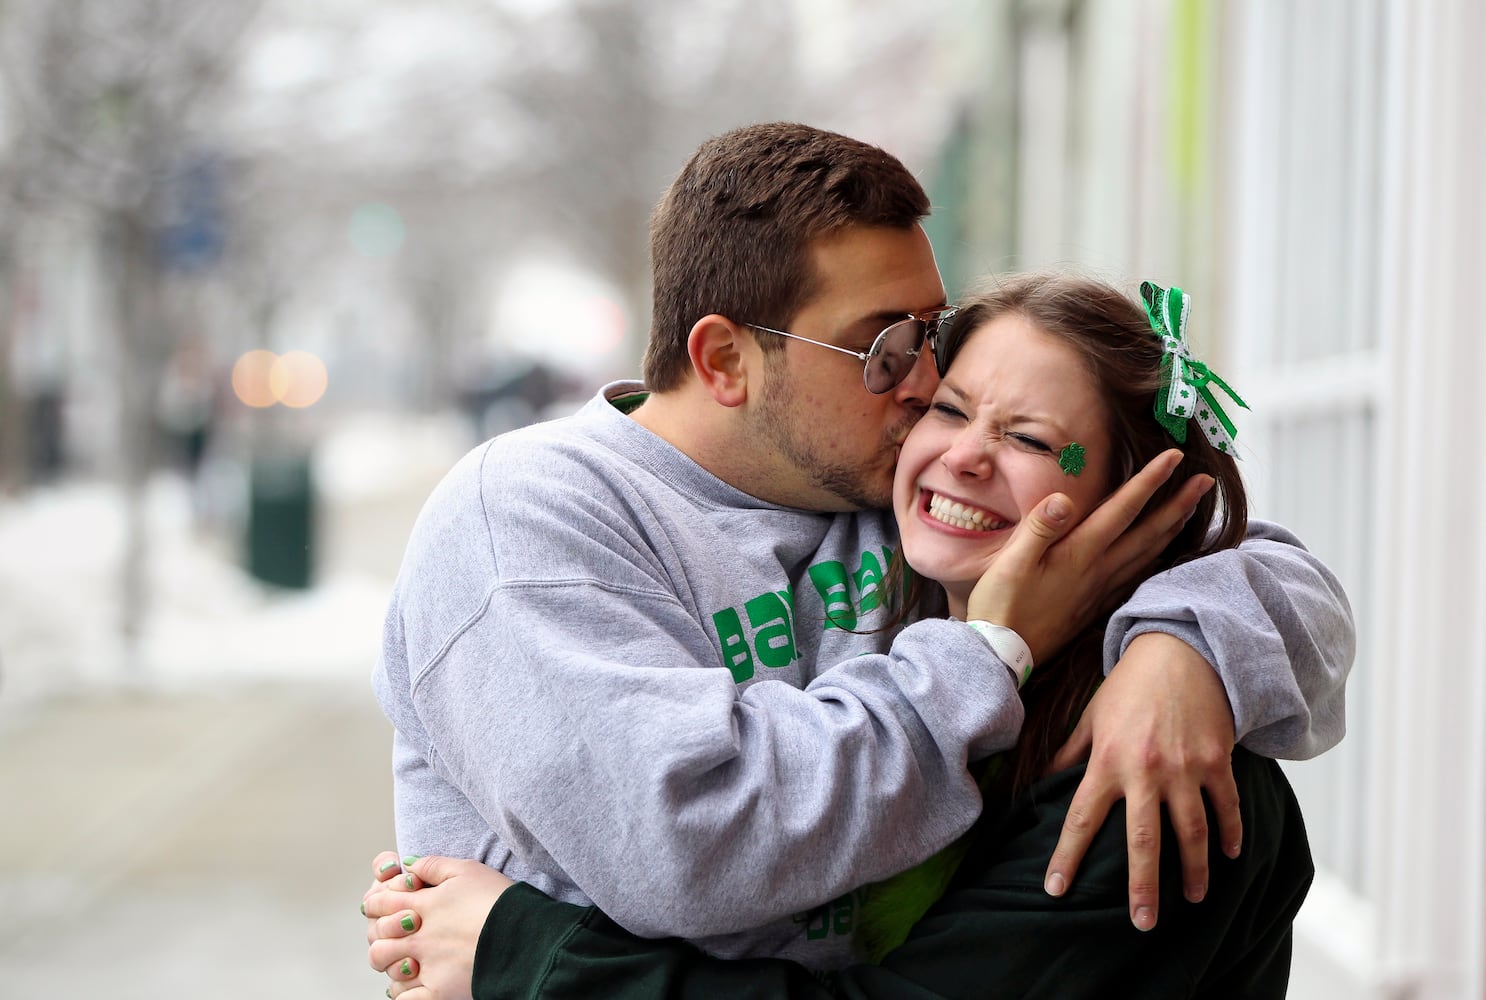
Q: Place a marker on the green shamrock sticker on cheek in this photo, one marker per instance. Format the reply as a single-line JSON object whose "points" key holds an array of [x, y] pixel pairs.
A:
{"points": [[1071, 458]]}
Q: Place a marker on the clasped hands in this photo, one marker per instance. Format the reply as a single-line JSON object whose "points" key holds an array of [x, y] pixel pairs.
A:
{"points": [[429, 951]]}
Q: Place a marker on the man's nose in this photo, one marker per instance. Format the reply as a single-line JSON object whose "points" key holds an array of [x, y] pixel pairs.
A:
{"points": [[915, 391]]}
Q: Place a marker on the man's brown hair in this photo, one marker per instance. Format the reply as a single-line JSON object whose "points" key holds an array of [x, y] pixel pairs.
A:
{"points": [[731, 235]]}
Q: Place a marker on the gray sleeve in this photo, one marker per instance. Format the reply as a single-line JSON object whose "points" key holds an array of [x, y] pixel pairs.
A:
{"points": [[1276, 625], [429, 810], [682, 805]]}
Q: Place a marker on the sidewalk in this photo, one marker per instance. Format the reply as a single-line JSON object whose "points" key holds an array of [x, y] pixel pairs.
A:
{"points": [[208, 844], [195, 820]]}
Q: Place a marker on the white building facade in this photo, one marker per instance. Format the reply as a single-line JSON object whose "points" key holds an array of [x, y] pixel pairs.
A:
{"points": [[1314, 173]]}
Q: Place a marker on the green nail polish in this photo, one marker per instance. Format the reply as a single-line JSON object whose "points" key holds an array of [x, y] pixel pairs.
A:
{"points": [[385, 867], [407, 969], [412, 859], [363, 909], [409, 880], [407, 923]]}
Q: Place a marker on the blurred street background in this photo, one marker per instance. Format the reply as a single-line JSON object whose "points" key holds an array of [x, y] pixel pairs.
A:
{"points": [[269, 267]]}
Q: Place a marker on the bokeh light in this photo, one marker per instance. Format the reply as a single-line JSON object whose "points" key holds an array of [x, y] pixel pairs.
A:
{"points": [[250, 378], [603, 325], [583, 336], [375, 230], [262, 378], [298, 379]]}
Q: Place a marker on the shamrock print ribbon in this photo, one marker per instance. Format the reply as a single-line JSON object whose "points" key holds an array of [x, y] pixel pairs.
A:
{"points": [[1186, 391]]}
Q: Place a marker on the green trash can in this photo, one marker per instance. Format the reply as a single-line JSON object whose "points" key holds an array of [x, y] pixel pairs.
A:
{"points": [[281, 520]]}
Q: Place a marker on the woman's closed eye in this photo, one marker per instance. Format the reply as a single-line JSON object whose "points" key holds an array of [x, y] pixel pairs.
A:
{"points": [[947, 410], [1029, 442]]}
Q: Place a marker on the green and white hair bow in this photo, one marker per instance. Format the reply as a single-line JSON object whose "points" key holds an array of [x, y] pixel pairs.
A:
{"points": [[1186, 391]]}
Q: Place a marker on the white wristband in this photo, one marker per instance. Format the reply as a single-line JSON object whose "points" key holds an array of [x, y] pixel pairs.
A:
{"points": [[1005, 643]]}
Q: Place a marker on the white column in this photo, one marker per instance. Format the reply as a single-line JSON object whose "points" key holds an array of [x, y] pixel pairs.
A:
{"points": [[1042, 173], [1428, 872]]}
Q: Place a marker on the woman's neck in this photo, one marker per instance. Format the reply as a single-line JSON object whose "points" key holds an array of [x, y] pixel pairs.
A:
{"points": [[959, 604]]}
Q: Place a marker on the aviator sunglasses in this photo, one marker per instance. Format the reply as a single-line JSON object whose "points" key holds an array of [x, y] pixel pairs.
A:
{"points": [[895, 351]]}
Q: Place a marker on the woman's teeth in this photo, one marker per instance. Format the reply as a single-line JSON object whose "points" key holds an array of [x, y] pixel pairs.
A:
{"points": [[958, 515]]}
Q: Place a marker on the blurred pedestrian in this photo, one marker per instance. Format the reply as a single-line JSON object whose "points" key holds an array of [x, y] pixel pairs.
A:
{"points": [[190, 394]]}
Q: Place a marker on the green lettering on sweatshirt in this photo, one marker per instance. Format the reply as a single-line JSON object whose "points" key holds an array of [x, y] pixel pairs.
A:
{"points": [[770, 636], [868, 579], [734, 644], [774, 634], [830, 582], [834, 919]]}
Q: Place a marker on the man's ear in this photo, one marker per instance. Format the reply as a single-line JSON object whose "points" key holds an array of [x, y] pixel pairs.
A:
{"points": [[720, 350]]}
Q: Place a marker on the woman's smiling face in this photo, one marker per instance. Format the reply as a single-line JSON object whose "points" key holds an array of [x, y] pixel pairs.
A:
{"points": [[987, 451]]}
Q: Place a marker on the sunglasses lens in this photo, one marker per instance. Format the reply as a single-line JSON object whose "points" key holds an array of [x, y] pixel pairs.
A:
{"points": [[894, 355], [942, 339]]}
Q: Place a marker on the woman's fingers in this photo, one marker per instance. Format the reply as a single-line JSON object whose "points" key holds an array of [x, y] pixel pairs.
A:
{"points": [[390, 956], [409, 991], [385, 866], [398, 925]]}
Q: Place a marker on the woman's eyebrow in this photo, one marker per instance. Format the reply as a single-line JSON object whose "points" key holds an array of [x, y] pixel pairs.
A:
{"points": [[948, 385], [1045, 421], [954, 390]]}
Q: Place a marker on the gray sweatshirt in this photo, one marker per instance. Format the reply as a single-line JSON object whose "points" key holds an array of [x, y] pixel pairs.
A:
{"points": [[617, 678]]}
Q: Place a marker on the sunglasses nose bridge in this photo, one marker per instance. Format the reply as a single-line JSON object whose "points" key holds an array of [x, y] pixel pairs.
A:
{"points": [[938, 329], [932, 339]]}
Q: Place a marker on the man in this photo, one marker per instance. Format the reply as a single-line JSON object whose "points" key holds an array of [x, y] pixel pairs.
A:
{"points": [[624, 656]]}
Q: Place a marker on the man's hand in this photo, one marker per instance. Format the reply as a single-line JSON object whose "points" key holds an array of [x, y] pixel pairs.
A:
{"points": [[1047, 587], [1158, 730], [425, 940]]}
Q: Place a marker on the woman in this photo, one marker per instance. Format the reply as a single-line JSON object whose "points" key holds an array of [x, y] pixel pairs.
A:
{"points": [[1050, 384]]}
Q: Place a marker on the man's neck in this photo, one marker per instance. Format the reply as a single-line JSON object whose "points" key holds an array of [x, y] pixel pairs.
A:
{"points": [[719, 439], [690, 422], [710, 435]]}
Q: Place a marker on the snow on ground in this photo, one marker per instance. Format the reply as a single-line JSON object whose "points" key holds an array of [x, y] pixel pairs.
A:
{"points": [[61, 601], [61, 551]]}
